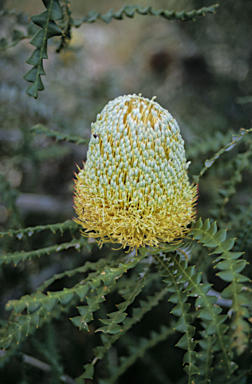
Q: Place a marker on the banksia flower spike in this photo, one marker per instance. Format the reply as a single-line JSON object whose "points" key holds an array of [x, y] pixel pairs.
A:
{"points": [[134, 189]]}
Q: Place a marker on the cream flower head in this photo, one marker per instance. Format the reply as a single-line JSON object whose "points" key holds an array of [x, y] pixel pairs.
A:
{"points": [[134, 188]]}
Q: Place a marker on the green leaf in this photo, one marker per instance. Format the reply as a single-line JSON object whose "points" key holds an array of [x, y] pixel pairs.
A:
{"points": [[65, 297], [6, 342], [17, 305], [191, 369], [76, 321], [226, 148], [184, 342], [203, 300], [3, 44], [16, 332], [24, 321], [143, 251], [85, 312], [183, 321], [112, 328], [33, 306], [89, 371], [59, 136], [35, 320], [40, 19], [180, 309], [17, 36], [82, 291], [54, 8], [39, 40], [46, 21], [35, 58], [226, 275], [117, 316], [208, 313], [52, 30], [239, 266], [50, 302], [131, 10], [32, 75]]}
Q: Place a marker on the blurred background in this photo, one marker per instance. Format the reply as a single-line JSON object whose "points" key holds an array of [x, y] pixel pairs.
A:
{"points": [[200, 71]]}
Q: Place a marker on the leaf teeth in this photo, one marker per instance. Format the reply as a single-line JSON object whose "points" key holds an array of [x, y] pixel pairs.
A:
{"points": [[230, 267], [46, 21]]}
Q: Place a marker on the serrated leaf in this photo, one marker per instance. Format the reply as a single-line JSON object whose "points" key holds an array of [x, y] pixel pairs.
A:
{"points": [[55, 9], [17, 305], [17, 36], [24, 321], [239, 266], [50, 302], [201, 301], [35, 319], [32, 91], [33, 306], [39, 39], [212, 327], [228, 244], [3, 44], [92, 303], [92, 16], [122, 306], [226, 275], [53, 30], [99, 351], [89, 371], [16, 335], [40, 19], [183, 321], [195, 279], [117, 316], [33, 76], [129, 11], [106, 321], [107, 277], [228, 292], [78, 322], [198, 225], [112, 328], [210, 243], [220, 236], [179, 309], [186, 341], [36, 56], [85, 313], [107, 16], [66, 297], [208, 313], [6, 342], [191, 369], [241, 278], [223, 265], [175, 297], [143, 251], [206, 225], [189, 357]]}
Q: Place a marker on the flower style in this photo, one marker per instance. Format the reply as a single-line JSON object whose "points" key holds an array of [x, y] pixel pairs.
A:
{"points": [[134, 188]]}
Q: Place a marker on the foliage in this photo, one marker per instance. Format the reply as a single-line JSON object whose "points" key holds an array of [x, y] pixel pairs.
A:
{"points": [[105, 311]]}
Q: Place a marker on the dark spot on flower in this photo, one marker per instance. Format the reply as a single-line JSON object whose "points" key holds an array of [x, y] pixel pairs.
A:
{"points": [[95, 135]]}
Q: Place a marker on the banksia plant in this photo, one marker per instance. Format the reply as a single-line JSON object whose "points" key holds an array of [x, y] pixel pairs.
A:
{"points": [[134, 188]]}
